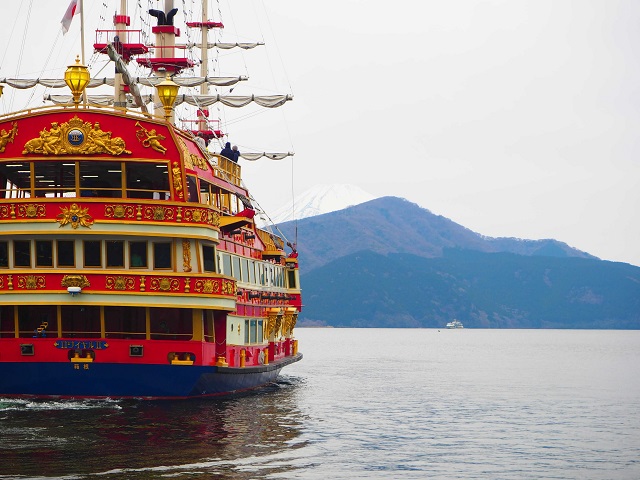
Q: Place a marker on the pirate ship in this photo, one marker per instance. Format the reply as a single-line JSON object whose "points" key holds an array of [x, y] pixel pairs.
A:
{"points": [[131, 264]]}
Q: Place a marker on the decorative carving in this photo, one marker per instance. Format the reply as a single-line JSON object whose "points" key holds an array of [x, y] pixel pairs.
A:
{"points": [[158, 213], [206, 286], [199, 162], [272, 324], [31, 210], [31, 282], [1, 282], [177, 179], [7, 137], [142, 286], [75, 281], [187, 284], [150, 138], [186, 255], [120, 283], [75, 215], [75, 137], [288, 324], [119, 211], [228, 287], [165, 284]]}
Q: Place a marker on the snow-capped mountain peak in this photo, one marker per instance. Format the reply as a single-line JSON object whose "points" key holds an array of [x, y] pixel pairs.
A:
{"points": [[321, 199]]}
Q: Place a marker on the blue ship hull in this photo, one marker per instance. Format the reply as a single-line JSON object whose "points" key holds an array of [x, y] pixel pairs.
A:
{"points": [[103, 380]]}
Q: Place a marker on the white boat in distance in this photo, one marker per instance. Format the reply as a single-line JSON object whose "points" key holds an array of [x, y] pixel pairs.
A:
{"points": [[455, 324]]}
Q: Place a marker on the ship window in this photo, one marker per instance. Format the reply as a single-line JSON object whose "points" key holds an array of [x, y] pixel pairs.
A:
{"points": [[22, 253], [4, 255], [252, 271], [260, 331], [125, 322], [44, 253], [7, 322], [291, 274], [34, 317], [138, 254], [80, 321], [253, 330], [205, 192], [54, 179], [115, 253], [16, 179], [226, 264], [66, 253], [162, 255], [147, 180], [171, 323], [92, 253], [246, 332], [245, 269], [236, 268], [192, 189], [209, 258], [101, 179]]}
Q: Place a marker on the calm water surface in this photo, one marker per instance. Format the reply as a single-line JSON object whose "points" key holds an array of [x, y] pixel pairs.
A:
{"points": [[450, 404]]}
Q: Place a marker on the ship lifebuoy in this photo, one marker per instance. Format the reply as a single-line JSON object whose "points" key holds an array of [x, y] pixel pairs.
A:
{"points": [[261, 357]]}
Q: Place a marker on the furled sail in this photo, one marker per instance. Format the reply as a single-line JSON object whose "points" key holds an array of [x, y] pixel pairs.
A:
{"points": [[237, 101], [24, 83], [273, 156], [223, 46]]}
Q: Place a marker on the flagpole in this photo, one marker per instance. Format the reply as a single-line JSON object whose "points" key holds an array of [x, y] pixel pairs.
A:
{"points": [[84, 94]]}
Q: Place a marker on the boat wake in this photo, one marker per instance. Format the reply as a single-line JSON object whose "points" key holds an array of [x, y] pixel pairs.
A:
{"points": [[12, 404]]}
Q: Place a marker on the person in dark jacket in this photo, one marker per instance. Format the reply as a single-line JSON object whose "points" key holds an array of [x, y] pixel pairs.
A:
{"points": [[227, 152], [236, 154]]}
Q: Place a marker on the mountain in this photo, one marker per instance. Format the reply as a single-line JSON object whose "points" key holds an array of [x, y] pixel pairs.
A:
{"points": [[483, 290], [394, 225], [321, 199], [390, 263]]}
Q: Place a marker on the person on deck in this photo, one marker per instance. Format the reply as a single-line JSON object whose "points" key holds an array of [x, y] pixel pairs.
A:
{"points": [[227, 152], [236, 154]]}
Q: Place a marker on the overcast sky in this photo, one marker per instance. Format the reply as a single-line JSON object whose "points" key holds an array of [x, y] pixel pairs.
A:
{"points": [[512, 118]]}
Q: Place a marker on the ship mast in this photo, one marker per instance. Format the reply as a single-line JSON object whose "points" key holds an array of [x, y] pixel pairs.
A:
{"points": [[120, 22]]}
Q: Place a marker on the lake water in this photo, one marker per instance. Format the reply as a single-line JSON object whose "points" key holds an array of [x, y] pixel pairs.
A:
{"points": [[367, 403]]}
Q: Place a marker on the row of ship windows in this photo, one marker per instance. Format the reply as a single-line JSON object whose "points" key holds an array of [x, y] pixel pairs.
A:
{"points": [[255, 272], [135, 254], [96, 254], [105, 179]]}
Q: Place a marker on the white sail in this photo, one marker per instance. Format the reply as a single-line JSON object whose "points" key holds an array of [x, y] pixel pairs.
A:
{"points": [[24, 83]]}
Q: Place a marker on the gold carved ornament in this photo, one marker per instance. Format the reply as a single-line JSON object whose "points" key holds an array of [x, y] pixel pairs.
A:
{"points": [[120, 283], [119, 211], [8, 137], [186, 255], [74, 215], [206, 286], [75, 281], [31, 210], [150, 138], [177, 179], [165, 284], [31, 282], [75, 137]]}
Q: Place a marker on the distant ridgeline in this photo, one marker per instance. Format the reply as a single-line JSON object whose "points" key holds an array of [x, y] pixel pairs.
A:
{"points": [[390, 263]]}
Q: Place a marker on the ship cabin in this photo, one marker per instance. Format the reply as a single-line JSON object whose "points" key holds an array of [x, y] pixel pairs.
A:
{"points": [[123, 240]]}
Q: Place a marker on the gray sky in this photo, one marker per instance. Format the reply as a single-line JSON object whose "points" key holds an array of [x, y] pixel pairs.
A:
{"points": [[511, 117]]}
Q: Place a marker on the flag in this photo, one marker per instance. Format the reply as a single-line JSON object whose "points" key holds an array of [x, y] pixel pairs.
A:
{"points": [[68, 15]]}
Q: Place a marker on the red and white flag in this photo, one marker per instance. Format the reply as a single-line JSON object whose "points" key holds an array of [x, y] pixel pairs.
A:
{"points": [[73, 9]]}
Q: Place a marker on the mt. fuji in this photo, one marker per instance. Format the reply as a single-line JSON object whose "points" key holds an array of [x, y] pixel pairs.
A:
{"points": [[321, 199]]}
